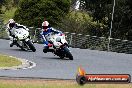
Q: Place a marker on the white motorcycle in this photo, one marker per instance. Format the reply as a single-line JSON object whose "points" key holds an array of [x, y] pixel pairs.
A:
{"points": [[22, 39], [60, 46]]}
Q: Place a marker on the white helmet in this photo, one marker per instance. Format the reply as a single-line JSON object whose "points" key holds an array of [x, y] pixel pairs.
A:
{"points": [[45, 24], [11, 21]]}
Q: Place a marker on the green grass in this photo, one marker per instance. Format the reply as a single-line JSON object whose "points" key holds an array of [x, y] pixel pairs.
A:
{"points": [[6, 61], [55, 84]]}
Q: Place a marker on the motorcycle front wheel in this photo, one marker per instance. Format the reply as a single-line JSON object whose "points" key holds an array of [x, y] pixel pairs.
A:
{"points": [[31, 46], [68, 53]]}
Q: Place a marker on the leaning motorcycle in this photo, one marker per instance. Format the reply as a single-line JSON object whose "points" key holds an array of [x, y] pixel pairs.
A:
{"points": [[59, 46], [22, 39]]}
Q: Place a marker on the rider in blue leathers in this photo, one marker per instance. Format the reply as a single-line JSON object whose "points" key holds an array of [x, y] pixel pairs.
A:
{"points": [[46, 31]]}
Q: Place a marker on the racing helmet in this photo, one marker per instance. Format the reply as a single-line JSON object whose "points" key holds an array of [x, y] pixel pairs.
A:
{"points": [[11, 23], [45, 24]]}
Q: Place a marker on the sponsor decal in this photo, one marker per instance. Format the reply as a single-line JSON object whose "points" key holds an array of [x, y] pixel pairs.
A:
{"points": [[83, 78]]}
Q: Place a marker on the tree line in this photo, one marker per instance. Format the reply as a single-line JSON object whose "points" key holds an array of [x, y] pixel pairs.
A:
{"points": [[93, 16], [101, 12]]}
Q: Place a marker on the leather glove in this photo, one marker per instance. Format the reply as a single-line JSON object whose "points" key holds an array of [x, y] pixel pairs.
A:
{"points": [[49, 45]]}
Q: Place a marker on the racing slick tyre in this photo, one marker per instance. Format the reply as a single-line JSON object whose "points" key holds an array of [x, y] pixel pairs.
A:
{"points": [[68, 53], [31, 46]]}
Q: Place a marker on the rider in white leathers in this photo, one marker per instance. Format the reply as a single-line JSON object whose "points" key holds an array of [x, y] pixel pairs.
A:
{"points": [[10, 25]]}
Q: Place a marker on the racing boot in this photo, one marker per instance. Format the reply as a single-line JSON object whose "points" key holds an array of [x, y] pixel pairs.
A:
{"points": [[11, 42], [11, 45], [45, 50]]}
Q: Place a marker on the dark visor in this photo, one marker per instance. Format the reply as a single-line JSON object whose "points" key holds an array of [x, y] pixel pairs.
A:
{"points": [[45, 27], [12, 24]]}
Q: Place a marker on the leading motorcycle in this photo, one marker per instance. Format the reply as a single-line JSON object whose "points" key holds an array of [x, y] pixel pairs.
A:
{"points": [[22, 39]]}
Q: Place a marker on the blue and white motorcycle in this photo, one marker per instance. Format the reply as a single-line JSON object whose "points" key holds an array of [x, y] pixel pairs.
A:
{"points": [[59, 46]]}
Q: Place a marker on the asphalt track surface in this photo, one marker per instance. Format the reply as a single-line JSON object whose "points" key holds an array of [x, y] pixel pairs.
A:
{"points": [[50, 66]]}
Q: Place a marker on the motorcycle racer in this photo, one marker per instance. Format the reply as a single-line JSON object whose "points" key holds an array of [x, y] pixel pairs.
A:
{"points": [[46, 31], [10, 25]]}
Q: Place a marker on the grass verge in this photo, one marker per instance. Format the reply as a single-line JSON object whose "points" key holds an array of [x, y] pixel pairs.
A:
{"points": [[55, 84], [6, 61]]}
